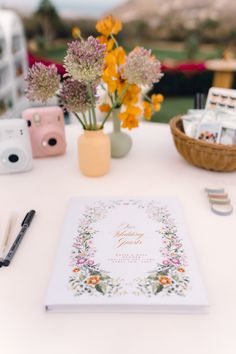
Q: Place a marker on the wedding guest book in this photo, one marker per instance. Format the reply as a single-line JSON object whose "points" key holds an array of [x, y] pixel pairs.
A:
{"points": [[125, 255]]}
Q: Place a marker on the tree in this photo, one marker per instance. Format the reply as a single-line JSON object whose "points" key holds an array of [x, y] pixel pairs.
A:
{"points": [[192, 45], [49, 19]]}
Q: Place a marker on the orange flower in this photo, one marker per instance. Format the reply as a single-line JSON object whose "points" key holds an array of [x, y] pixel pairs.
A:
{"points": [[109, 25], [111, 75], [181, 270], [109, 42], [131, 95], [129, 117], [120, 55], [110, 60], [147, 110], [157, 98], [120, 85], [104, 107], [110, 72], [76, 33], [136, 111], [164, 280], [130, 122], [157, 107], [93, 280], [156, 101], [76, 270]]}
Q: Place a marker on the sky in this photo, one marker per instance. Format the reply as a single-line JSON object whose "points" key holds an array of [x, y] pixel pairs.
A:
{"points": [[93, 8]]}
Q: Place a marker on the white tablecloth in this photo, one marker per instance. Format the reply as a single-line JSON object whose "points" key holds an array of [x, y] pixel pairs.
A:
{"points": [[152, 168]]}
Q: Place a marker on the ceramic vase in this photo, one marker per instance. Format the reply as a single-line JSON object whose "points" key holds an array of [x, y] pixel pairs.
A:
{"points": [[121, 142], [94, 152]]}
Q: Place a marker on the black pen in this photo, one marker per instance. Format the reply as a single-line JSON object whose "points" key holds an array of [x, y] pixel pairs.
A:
{"points": [[24, 227]]}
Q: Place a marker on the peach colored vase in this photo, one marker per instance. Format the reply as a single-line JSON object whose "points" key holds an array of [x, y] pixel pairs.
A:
{"points": [[94, 150]]}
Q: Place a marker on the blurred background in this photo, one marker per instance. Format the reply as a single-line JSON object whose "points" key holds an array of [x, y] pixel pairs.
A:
{"points": [[184, 34]]}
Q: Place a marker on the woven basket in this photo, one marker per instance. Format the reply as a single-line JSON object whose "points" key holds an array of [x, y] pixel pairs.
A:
{"points": [[214, 157]]}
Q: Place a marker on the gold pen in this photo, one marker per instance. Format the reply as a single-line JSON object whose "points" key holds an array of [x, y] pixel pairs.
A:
{"points": [[6, 238]]}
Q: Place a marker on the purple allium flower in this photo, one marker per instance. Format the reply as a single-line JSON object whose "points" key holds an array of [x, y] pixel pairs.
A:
{"points": [[43, 82], [142, 68], [84, 60], [74, 96]]}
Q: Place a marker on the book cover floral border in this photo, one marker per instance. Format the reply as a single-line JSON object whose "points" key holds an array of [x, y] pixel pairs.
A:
{"points": [[169, 277]]}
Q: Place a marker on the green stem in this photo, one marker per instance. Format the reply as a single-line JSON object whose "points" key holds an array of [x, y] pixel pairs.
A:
{"points": [[79, 119], [107, 116], [116, 104], [90, 119], [85, 120], [92, 106], [147, 98], [111, 98], [123, 94], [115, 41], [80, 37]]}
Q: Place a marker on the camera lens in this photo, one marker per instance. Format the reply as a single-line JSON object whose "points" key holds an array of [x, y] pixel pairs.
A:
{"points": [[29, 123], [52, 142], [13, 158]]}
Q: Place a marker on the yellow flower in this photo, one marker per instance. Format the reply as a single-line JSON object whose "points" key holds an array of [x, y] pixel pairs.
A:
{"points": [[111, 75], [120, 84], [130, 122], [109, 42], [109, 72], [111, 85], [129, 117], [157, 107], [120, 55], [147, 110], [105, 107], [110, 59], [109, 25], [76, 33], [131, 95], [109, 78], [157, 98], [130, 110]]}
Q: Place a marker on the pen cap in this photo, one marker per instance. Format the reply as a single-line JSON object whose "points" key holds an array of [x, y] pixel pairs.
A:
{"points": [[199, 101], [28, 218]]}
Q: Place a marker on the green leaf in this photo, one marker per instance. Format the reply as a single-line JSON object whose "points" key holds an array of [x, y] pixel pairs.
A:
{"points": [[159, 287], [94, 272], [99, 288]]}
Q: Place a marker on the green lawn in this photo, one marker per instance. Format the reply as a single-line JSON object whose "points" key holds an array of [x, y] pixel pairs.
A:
{"points": [[55, 53], [180, 55], [171, 107], [161, 51]]}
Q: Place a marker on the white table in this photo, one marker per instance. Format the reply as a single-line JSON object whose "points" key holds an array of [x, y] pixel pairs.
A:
{"points": [[153, 167]]}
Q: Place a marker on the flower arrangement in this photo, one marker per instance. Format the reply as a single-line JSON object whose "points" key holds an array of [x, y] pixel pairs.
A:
{"points": [[83, 63], [126, 75], [99, 61]]}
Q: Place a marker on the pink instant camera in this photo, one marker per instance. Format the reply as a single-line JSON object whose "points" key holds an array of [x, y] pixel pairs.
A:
{"points": [[47, 130]]}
